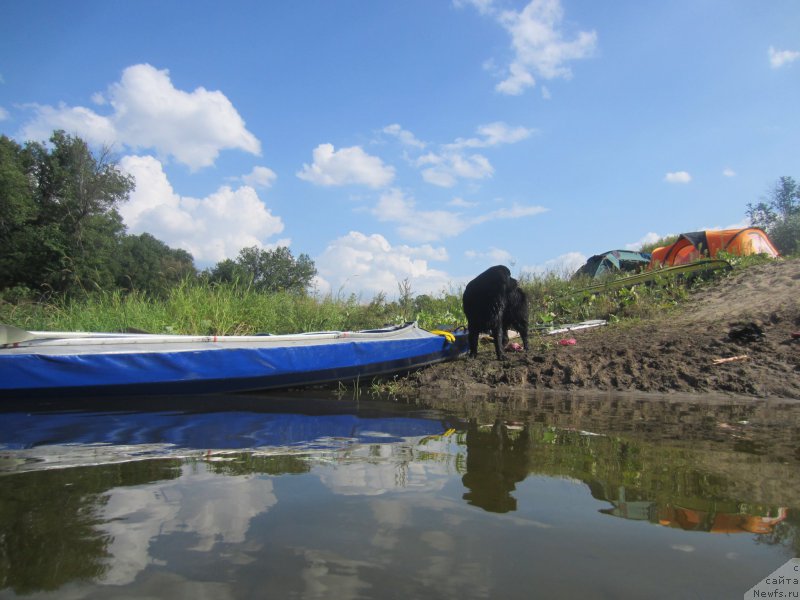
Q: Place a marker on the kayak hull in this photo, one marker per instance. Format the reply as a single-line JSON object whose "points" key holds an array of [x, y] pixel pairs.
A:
{"points": [[164, 365]]}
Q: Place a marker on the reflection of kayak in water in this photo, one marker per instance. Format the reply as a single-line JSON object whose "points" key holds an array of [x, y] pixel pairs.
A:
{"points": [[111, 436], [223, 430]]}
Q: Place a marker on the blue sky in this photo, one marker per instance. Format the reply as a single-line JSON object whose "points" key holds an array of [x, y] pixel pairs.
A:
{"points": [[420, 140]]}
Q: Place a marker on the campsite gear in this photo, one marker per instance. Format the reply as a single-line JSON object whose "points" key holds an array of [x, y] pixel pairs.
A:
{"points": [[698, 244], [614, 261], [576, 326], [60, 364]]}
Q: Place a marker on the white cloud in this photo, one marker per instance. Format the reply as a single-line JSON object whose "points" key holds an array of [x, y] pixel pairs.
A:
{"points": [[647, 238], [416, 225], [780, 58], [430, 225], [515, 212], [262, 177], [483, 6], [444, 170], [493, 134], [4, 114], [728, 172], [539, 45], [563, 266], [493, 255], [406, 137], [93, 128], [446, 165], [678, 177], [369, 264], [345, 167], [739, 225], [149, 113], [519, 78], [461, 203], [211, 228]]}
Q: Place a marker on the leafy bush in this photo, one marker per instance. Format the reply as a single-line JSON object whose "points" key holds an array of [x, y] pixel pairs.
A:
{"points": [[665, 241], [779, 215]]}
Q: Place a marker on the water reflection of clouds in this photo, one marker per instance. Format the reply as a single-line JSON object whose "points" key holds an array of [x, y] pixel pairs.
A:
{"points": [[349, 524], [375, 469], [213, 509], [389, 516], [445, 567], [398, 549], [157, 584], [327, 574], [453, 576], [209, 507]]}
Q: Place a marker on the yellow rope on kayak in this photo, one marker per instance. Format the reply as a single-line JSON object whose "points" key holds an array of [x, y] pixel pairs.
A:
{"points": [[447, 335]]}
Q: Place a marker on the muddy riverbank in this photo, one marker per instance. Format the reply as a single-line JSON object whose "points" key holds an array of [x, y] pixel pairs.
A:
{"points": [[735, 336]]}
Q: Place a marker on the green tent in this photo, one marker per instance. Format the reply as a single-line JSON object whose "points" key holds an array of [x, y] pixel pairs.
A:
{"points": [[614, 261]]}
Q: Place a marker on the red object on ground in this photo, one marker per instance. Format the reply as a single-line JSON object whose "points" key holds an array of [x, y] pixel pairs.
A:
{"points": [[795, 335], [568, 342]]}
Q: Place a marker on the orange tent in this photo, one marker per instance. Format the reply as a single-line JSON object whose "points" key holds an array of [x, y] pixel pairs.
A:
{"points": [[706, 244], [696, 520]]}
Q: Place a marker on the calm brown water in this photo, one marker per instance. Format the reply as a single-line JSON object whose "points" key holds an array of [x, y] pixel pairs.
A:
{"points": [[310, 497]]}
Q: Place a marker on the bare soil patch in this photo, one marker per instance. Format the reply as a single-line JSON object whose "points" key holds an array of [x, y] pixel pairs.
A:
{"points": [[748, 318]]}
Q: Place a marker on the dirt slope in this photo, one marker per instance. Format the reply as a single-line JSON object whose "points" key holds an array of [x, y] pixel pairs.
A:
{"points": [[752, 313]]}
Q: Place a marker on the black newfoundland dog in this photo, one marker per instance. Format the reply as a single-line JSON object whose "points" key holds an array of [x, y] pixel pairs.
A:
{"points": [[494, 303]]}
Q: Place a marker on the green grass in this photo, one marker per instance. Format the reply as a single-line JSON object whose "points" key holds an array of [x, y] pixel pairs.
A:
{"points": [[233, 309], [230, 309]]}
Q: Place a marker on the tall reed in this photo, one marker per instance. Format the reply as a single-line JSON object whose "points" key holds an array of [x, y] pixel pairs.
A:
{"points": [[226, 309]]}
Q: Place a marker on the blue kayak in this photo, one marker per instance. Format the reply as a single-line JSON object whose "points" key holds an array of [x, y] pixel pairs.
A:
{"points": [[68, 364]]}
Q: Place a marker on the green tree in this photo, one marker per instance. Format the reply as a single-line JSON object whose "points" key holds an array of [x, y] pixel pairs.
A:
{"points": [[17, 209], [59, 229], [779, 215], [16, 190], [149, 265], [226, 271], [268, 270]]}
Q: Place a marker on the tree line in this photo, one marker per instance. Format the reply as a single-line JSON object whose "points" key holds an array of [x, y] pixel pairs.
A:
{"points": [[61, 233]]}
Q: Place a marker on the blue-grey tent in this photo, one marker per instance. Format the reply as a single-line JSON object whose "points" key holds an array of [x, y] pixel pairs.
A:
{"points": [[614, 261]]}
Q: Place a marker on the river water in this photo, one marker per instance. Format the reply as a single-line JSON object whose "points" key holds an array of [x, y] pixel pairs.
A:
{"points": [[312, 496]]}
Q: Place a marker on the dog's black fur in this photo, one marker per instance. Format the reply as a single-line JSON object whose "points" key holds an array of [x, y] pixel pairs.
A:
{"points": [[494, 303]]}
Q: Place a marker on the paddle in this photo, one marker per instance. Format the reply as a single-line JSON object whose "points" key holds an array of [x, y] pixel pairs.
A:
{"points": [[14, 335], [10, 335]]}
